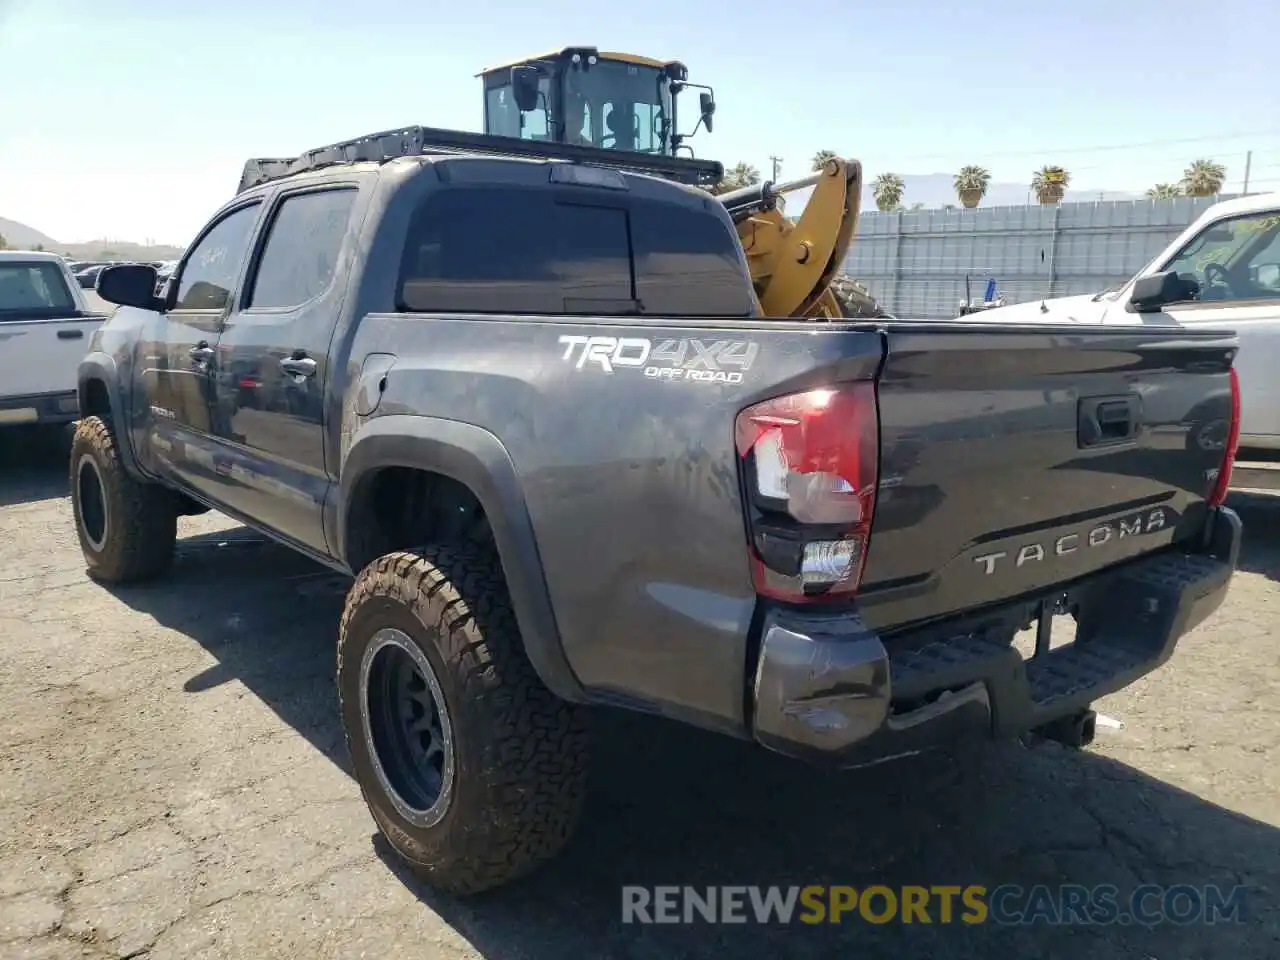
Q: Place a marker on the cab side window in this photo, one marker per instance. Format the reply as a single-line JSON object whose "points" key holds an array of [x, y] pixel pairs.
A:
{"points": [[1233, 261], [212, 266], [301, 253]]}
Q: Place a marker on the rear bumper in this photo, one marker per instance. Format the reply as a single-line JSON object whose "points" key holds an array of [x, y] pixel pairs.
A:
{"points": [[59, 407], [829, 689]]}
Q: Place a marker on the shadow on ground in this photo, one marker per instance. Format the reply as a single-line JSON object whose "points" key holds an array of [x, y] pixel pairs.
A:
{"points": [[33, 464], [674, 806], [1260, 514]]}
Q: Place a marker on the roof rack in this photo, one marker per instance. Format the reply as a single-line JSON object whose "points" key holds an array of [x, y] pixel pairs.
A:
{"points": [[420, 141]]}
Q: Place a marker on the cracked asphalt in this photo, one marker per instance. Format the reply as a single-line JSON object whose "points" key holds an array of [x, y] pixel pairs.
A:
{"points": [[173, 783]]}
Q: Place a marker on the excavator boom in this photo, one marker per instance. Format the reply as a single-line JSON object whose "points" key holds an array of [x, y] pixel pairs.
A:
{"points": [[793, 264]]}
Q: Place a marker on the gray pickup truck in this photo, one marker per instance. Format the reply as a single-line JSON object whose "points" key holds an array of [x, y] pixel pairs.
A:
{"points": [[528, 404]]}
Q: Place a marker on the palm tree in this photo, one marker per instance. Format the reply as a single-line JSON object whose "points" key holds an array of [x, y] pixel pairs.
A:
{"points": [[971, 184], [1049, 184], [739, 175], [1203, 178], [820, 159], [887, 190], [1164, 191]]}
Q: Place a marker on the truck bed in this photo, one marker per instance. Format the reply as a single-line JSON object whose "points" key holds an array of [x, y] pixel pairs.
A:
{"points": [[635, 494]]}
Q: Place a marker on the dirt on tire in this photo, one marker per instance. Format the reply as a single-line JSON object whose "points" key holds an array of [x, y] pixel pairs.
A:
{"points": [[520, 751], [140, 526]]}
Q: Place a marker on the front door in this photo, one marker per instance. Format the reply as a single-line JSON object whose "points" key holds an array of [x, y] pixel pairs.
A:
{"points": [[176, 351], [1236, 263], [272, 362]]}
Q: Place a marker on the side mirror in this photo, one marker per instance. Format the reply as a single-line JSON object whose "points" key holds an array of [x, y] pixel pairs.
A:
{"points": [[1153, 292], [707, 104], [524, 87], [1267, 275], [129, 285]]}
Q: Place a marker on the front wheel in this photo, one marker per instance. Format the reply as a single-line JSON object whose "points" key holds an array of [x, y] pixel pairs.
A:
{"points": [[474, 771], [127, 528]]}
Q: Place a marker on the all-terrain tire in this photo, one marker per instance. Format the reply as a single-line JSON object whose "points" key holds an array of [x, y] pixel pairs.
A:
{"points": [[127, 528], [519, 752]]}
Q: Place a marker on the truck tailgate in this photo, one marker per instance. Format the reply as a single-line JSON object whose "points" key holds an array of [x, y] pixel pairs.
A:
{"points": [[41, 356], [1017, 458]]}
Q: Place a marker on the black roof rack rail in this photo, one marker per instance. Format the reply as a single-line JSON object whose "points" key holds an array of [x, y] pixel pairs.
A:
{"points": [[418, 141]]}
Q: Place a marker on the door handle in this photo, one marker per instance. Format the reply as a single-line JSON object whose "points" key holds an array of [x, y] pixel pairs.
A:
{"points": [[1105, 420], [201, 352], [298, 366], [70, 334]]}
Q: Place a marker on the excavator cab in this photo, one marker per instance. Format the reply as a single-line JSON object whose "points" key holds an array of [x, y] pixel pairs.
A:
{"points": [[619, 101], [613, 101]]}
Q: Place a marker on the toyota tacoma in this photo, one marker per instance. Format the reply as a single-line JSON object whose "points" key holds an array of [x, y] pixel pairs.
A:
{"points": [[530, 405]]}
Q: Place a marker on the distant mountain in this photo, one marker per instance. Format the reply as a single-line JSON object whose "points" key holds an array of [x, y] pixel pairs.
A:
{"points": [[935, 190], [19, 236]]}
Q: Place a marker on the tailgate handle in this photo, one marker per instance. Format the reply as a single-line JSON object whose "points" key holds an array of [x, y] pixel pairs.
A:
{"points": [[70, 334], [1107, 420]]}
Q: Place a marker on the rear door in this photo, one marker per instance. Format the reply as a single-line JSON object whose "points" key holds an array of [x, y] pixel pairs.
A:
{"points": [[1018, 458], [272, 364]]}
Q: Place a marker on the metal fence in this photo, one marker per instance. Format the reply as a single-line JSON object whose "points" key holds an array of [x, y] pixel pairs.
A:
{"points": [[915, 262]]}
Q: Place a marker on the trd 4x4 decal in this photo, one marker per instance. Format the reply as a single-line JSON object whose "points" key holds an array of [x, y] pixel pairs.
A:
{"points": [[702, 361]]}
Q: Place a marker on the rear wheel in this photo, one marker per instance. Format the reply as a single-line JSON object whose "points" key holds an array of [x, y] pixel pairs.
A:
{"points": [[127, 529], [473, 770]]}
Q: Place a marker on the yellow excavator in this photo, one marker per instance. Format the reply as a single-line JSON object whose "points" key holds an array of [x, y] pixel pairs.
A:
{"points": [[581, 96]]}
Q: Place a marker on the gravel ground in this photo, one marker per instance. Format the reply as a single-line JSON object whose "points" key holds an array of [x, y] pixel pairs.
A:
{"points": [[173, 783]]}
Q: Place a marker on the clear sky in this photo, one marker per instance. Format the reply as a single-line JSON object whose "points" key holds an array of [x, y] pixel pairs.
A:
{"points": [[131, 119]]}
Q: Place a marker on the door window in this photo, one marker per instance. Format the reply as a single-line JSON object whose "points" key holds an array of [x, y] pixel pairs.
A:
{"points": [[1233, 260], [301, 253], [212, 266]]}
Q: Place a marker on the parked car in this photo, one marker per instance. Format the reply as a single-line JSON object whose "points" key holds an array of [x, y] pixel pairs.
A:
{"points": [[562, 473], [45, 325], [88, 276], [1223, 271]]}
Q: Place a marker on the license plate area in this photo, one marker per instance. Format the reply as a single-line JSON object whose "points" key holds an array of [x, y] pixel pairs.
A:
{"points": [[1053, 627]]}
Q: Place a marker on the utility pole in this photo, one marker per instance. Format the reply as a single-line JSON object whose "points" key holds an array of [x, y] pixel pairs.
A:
{"points": [[1248, 163], [777, 166]]}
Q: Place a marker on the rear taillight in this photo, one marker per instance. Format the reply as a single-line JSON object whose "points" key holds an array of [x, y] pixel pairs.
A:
{"points": [[810, 462], [1223, 483]]}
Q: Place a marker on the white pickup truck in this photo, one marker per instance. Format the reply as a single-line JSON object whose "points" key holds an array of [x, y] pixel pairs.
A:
{"points": [[1222, 271], [45, 325]]}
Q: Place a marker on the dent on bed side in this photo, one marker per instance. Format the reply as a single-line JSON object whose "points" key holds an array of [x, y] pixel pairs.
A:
{"points": [[477, 459]]}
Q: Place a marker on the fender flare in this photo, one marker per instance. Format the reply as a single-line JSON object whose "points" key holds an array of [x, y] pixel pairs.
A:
{"points": [[477, 459], [102, 366]]}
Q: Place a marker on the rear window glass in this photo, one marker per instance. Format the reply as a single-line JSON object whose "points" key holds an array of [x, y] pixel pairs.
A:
{"points": [[513, 250], [688, 264], [33, 288], [506, 250]]}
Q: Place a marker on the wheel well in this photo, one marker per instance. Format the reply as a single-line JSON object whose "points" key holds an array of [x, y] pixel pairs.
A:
{"points": [[397, 507], [95, 401]]}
